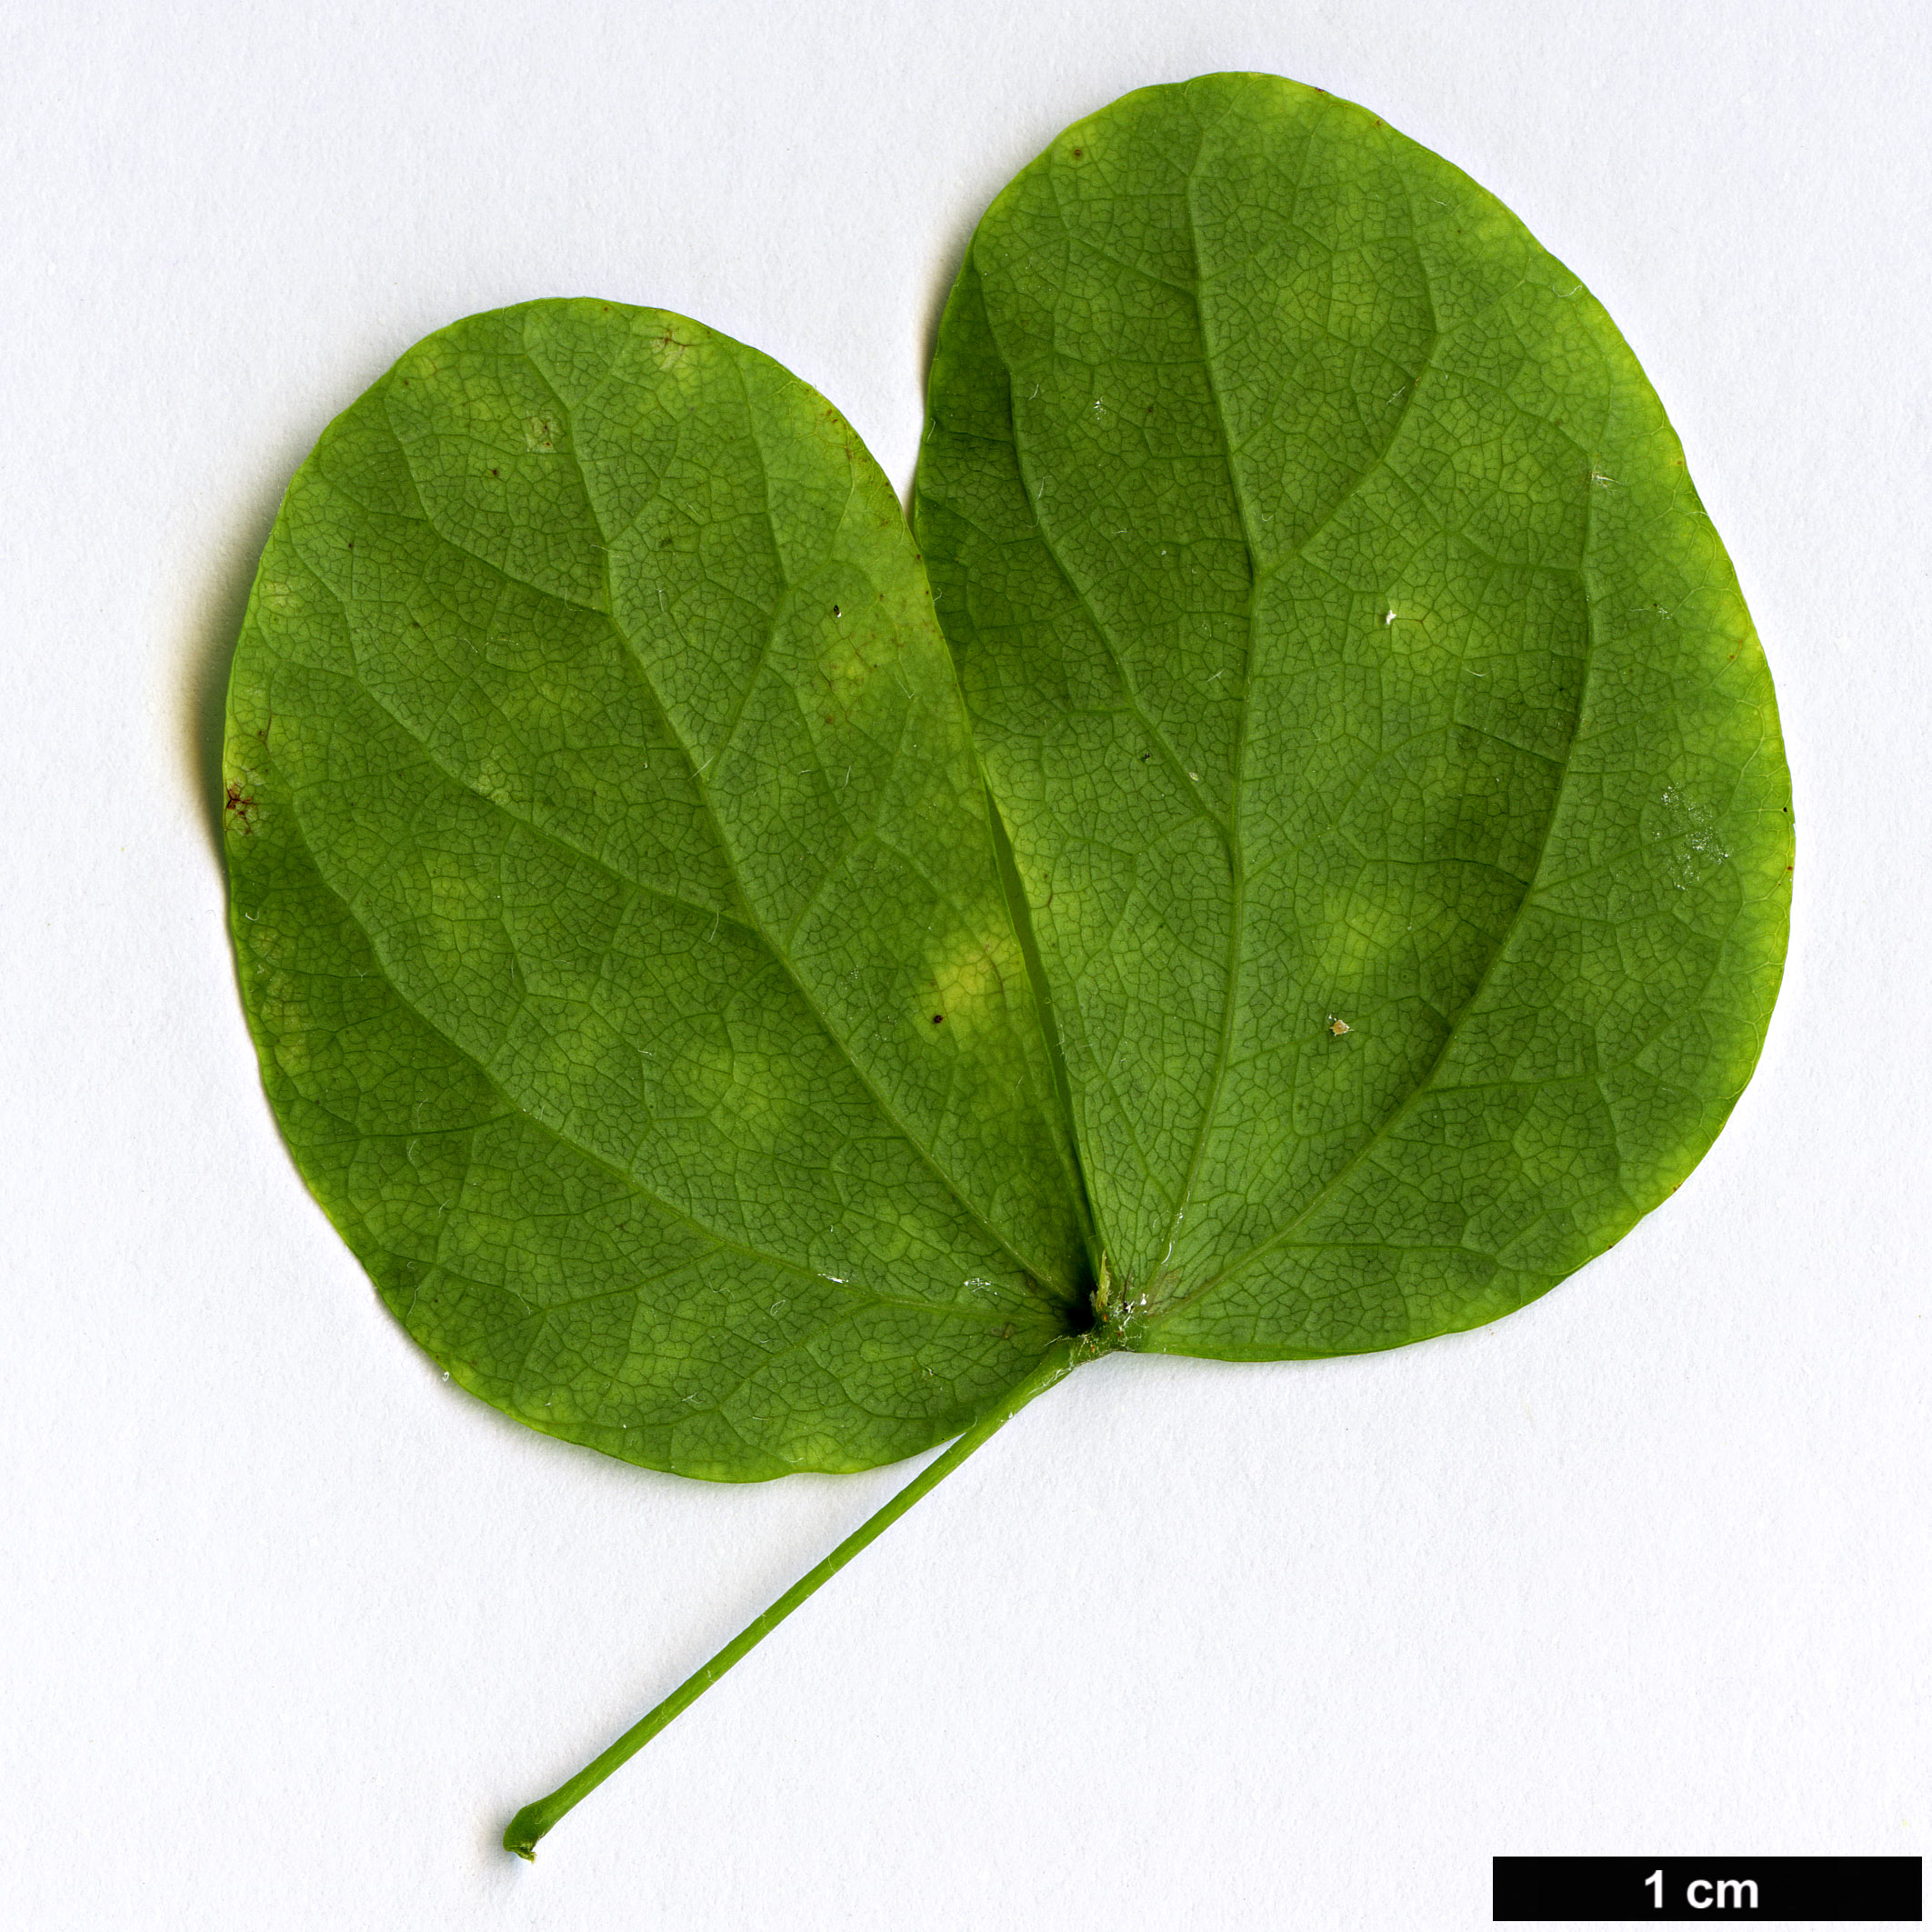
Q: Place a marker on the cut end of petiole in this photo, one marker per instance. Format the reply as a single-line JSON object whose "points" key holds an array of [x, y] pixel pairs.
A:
{"points": [[525, 1829]]}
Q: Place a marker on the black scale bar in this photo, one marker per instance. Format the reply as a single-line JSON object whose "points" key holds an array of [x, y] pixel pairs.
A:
{"points": [[1718, 1891]]}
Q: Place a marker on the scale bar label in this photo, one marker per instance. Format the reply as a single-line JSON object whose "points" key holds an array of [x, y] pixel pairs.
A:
{"points": [[1714, 1890]]}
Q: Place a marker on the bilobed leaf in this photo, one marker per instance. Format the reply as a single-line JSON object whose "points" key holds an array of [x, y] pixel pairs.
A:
{"points": [[1379, 905], [1390, 765], [617, 908]]}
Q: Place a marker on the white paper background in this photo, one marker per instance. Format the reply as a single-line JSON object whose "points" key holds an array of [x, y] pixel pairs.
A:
{"points": [[291, 1627]]}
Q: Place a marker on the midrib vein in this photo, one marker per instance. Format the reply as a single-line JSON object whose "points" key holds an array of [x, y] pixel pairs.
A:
{"points": [[1033, 1276], [1258, 578], [1424, 1084], [1237, 881]]}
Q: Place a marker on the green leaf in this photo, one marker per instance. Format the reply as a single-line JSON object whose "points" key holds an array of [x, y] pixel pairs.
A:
{"points": [[619, 911], [1391, 768], [1383, 908]]}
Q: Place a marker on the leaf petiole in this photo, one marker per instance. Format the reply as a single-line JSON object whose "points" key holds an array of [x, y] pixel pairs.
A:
{"points": [[534, 1820]]}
